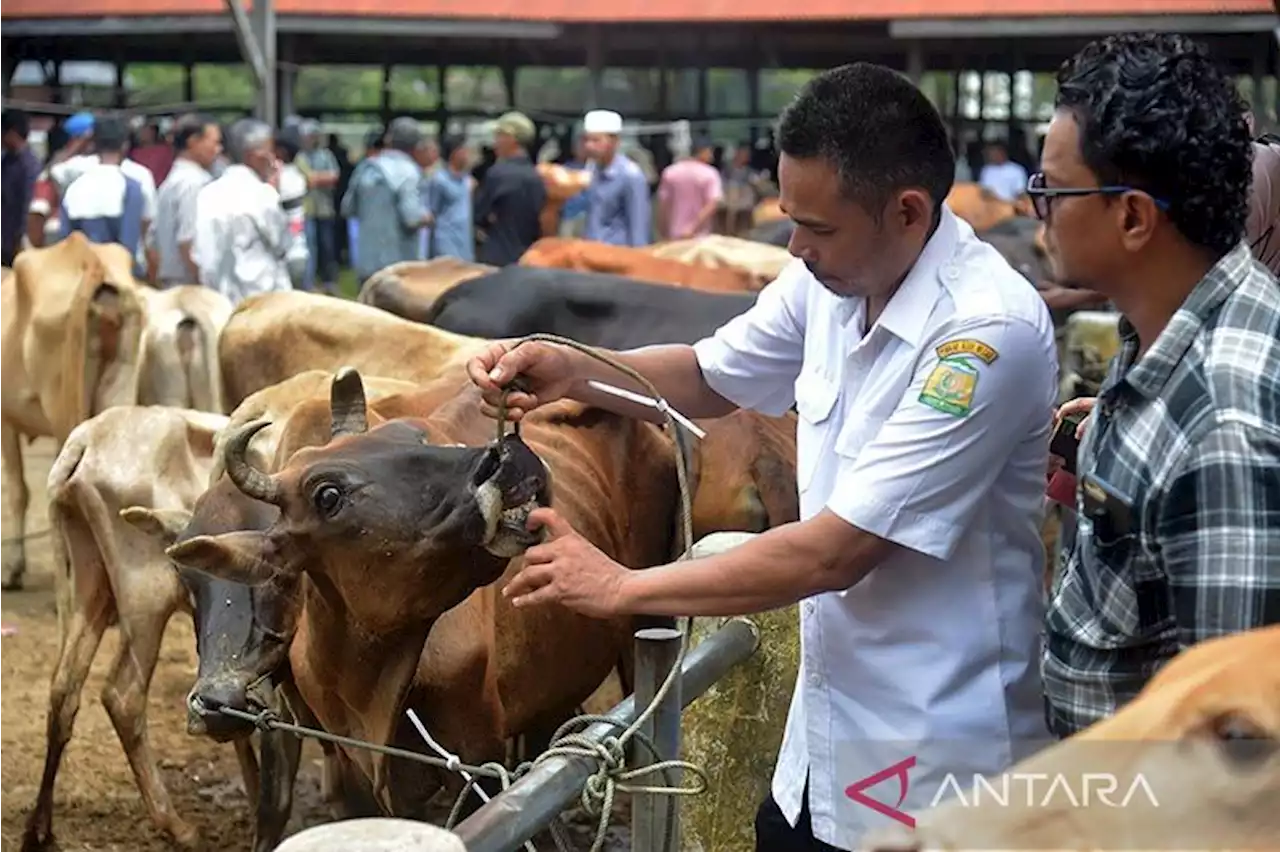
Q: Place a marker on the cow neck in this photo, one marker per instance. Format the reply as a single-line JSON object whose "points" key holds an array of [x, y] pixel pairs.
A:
{"points": [[370, 675]]}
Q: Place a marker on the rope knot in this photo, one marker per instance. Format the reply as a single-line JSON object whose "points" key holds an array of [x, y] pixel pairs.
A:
{"points": [[265, 719]]}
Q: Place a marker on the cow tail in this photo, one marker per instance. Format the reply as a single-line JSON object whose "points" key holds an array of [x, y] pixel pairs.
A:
{"points": [[198, 353], [61, 516], [95, 306]]}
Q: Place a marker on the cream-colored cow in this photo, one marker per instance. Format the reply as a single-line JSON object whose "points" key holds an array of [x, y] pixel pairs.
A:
{"points": [[81, 335]]}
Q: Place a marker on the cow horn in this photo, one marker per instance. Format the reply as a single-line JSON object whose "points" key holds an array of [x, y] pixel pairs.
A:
{"points": [[251, 481], [347, 404]]}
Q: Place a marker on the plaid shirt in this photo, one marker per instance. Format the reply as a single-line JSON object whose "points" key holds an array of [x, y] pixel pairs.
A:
{"points": [[1190, 438]]}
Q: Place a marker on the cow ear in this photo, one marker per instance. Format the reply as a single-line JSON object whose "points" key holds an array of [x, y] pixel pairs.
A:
{"points": [[164, 524], [237, 557]]}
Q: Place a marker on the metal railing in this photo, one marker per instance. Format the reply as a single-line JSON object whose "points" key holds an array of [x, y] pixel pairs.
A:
{"points": [[531, 804]]}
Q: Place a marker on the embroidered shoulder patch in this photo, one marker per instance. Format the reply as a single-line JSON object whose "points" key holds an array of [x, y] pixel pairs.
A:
{"points": [[950, 387], [968, 346]]}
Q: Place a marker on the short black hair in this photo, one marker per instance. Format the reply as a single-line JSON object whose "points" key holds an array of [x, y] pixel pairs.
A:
{"points": [[17, 121], [289, 140], [450, 143], [1156, 113], [373, 138], [878, 130], [110, 133], [190, 127]]}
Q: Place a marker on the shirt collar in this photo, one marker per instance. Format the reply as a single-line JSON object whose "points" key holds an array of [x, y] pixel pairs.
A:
{"points": [[910, 307], [239, 171], [1149, 375], [616, 165]]}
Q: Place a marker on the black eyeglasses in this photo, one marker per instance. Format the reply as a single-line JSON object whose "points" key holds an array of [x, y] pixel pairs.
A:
{"points": [[1041, 195]]}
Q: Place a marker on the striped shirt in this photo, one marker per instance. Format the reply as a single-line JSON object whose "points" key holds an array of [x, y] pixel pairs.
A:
{"points": [[1188, 437]]}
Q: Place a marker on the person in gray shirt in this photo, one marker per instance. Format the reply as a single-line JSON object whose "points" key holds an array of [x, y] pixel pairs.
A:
{"points": [[384, 196], [198, 140]]}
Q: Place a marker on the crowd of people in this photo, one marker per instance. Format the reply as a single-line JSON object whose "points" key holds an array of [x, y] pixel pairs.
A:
{"points": [[922, 367], [295, 208]]}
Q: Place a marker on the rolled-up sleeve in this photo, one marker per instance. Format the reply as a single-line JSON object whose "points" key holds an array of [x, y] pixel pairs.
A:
{"points": [[921, 477], [1219, 533], [753, 360]]}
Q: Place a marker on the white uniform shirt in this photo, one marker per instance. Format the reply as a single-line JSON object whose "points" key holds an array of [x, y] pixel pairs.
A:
{"points": [[940, 643], [242, 236]]}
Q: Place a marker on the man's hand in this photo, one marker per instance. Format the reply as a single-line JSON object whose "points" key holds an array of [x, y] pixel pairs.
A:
{"points": [[567, 569], [1076, 406], [546, 370]]}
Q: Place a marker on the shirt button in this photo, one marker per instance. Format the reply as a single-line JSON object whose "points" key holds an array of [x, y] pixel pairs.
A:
{"points": [[815, 679], [809, 608], [951, 272]]}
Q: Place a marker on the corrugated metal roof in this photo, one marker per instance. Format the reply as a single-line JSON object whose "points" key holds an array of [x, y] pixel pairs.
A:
{"points": [[570, 11]]}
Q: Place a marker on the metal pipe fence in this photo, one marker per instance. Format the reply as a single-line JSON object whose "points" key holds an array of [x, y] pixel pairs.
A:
{"points": [[531, 804]]}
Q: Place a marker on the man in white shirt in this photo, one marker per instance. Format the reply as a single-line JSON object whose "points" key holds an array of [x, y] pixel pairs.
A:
{"points": [[923, 370], [62, 175], [104, 201], [198, 141], [242, 232], [1002, 176]]}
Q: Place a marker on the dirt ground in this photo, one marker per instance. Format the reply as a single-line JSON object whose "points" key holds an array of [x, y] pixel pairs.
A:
{"points": [[97, 807]]}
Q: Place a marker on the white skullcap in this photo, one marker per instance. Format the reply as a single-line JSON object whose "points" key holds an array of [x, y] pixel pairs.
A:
{"points": [[602, 121]]}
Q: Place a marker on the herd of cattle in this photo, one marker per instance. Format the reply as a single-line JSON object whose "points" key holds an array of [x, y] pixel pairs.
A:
{"points": [[311, 479]]}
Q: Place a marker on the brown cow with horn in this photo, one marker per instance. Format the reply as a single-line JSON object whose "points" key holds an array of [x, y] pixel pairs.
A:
{"points": [[402, 532]]}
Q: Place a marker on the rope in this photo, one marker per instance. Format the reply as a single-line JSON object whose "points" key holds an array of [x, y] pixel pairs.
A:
{"points": [[28, 536], [612, 775]]}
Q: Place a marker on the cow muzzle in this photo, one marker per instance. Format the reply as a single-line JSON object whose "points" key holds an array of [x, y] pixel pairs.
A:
{"points": [[204, 709], [509, 483]]}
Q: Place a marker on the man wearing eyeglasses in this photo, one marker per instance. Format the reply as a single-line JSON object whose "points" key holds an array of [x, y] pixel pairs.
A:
{"points": [[1144, 191]]}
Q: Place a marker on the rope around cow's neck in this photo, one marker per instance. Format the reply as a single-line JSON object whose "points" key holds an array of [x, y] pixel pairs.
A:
{"points": [[612, 775]]}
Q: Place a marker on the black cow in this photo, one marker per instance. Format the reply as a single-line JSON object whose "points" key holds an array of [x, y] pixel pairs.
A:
{"points": [[600, 310]]}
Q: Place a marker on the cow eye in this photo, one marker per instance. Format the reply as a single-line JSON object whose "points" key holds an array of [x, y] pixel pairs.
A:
{"points": [[327, 499]]}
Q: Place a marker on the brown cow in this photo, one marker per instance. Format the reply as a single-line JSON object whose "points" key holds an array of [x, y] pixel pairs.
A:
{"points": [[590, 256], [157, 457], [80, 335], [397, 526], [409, 289], [982, 208], [1201, 736], [273, 336], [561, 184]]}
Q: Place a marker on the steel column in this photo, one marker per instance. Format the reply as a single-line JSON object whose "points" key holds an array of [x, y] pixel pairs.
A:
{"points": [[653, 816]]}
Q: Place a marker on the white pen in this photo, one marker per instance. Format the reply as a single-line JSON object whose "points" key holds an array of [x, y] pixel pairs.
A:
{"points": [[649, 401]]}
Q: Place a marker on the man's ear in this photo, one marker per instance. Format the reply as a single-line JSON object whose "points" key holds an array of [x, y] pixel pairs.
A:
{"points": [[238, 557]]}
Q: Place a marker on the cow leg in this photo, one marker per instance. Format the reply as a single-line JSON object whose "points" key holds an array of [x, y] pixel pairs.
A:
{"points": [[125, 699], [83, 637], [15, 508]]}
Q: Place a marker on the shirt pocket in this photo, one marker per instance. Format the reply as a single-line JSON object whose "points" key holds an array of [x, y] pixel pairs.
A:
{"points": [[816, 396]]}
